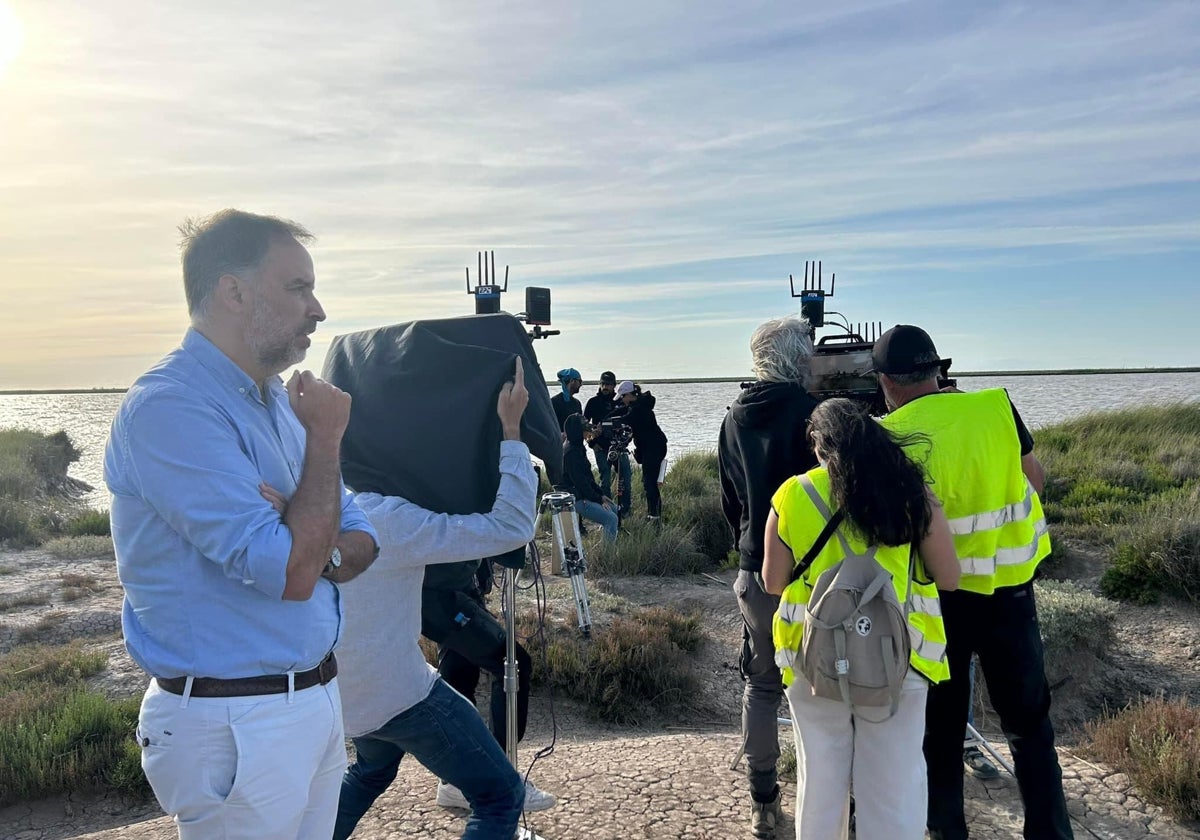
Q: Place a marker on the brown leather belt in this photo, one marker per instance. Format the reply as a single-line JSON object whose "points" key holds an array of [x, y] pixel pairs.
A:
{"points": [[252, 686]]}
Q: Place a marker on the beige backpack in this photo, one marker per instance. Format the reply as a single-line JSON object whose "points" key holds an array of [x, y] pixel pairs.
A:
{"points": [[856, 644]]}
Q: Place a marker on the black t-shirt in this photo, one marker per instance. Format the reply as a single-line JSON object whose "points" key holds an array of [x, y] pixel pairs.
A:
{"points": [[564, 409]]}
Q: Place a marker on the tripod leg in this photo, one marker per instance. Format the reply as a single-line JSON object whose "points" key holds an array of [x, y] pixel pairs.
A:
{"points": [[578, 583]]}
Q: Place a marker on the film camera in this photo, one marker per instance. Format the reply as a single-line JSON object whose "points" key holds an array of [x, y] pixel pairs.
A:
{"points": [[619, 436]]}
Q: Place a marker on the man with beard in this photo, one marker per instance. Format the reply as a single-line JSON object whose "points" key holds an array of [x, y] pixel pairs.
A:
{"points": [[596, 411], [231, 607], [566, 403], [763, 443]]}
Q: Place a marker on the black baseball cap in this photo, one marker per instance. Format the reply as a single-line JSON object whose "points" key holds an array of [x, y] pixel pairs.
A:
{"points": [[905, 349], [608, 378]]}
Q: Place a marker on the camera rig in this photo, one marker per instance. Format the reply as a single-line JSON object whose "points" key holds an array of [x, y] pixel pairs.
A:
{"points": [[487, 296], [841, 362]]}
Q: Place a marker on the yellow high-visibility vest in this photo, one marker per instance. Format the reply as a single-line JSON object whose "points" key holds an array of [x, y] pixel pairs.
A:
{"points": [[799, 524], [972, 460]]}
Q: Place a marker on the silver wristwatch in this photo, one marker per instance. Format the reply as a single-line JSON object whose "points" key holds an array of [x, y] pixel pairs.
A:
{"points": [[335, 562]]}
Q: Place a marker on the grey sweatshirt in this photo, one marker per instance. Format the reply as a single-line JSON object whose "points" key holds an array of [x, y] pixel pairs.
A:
{"points": [[381, 671]]}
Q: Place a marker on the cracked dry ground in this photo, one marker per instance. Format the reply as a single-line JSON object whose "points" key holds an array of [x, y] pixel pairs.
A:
{"points": [[662, 782]]}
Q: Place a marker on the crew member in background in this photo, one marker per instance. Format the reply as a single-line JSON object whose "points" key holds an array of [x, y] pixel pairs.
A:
{"points": [[232, 608], [981, 465], [596, 411], [393, 702], [763, 442], [590, 501], [565, 403], [649, 441]]}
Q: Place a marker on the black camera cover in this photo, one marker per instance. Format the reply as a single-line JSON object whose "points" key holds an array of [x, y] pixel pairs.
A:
{"points": [[423, 420]]}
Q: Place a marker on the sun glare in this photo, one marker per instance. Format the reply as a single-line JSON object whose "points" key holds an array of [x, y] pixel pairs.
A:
{"points": [[10, 36]]}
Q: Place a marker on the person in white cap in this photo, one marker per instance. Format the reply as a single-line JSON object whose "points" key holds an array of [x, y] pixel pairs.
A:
{"points": [[649, 441]]}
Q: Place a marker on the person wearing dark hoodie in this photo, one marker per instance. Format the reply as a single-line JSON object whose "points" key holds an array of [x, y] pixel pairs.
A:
{"points": [[577, 479], [763, 443], [649, 441]]}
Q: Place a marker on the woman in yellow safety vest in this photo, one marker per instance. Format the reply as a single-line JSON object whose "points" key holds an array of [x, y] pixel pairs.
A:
{"points": [[886, 504]]}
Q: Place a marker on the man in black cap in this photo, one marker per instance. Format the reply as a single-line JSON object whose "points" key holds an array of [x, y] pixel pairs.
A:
{"points": [[978, 457], [596, 411]]}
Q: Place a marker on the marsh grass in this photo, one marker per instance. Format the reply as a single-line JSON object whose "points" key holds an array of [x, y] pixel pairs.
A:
{"points": [[79, 548], [57, 737], [633, 668], [1157, 743], [34, 489], [1130, 480]]}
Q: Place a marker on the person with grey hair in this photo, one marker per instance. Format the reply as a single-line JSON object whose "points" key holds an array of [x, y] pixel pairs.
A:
{"points": [[231, 607], [763, 443]]}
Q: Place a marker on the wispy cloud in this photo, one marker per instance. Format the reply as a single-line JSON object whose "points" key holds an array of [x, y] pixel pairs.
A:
{"points": [[651, 159]]}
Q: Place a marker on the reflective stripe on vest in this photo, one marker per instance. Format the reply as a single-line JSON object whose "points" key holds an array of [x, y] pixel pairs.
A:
{"points": [[1015, 512], [1006, 556]]}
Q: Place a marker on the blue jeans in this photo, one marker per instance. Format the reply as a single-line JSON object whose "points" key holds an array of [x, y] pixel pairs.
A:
{"points": [[602, 516], [624, 479], [446, 734]]}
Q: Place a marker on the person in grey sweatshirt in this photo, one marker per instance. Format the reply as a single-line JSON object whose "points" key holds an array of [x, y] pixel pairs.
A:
{"points": [[393, 701]]}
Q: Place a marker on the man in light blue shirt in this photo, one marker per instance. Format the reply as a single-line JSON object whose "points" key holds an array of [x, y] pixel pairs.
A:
{"points": [[231, 607]]}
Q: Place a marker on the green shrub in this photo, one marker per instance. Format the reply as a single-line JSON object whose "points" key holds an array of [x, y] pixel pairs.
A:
{"points": [[1157, 743], [645, 548], [16, 524], [1073, 620], [55, 736], [89, 523], [1160, 550], [635, 667], [79, 548]]}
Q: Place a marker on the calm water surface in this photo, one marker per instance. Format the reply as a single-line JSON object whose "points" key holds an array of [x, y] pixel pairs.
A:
{"points": [[690, 413]]}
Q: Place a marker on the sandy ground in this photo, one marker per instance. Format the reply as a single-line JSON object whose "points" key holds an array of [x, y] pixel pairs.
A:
{"points": [[669, 779]]}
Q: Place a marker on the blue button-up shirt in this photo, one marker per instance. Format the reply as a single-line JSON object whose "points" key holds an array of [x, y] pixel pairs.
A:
{"points": [[201, 554]]}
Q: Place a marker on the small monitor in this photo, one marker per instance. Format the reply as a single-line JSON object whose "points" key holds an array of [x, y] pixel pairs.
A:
{"points": [[537, 305]]}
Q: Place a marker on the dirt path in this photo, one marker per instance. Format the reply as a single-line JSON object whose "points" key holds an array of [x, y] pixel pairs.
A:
{"points": [[662, 782]]}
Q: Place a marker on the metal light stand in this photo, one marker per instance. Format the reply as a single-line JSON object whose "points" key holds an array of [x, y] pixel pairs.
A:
{"points": [[511, 684], [569, 546]]}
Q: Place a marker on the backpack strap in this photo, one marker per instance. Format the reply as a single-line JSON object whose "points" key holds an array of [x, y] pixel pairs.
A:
{"points": [[832, 521]]}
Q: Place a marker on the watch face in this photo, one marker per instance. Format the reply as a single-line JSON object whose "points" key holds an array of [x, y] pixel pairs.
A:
{"points": [[335, 558]]}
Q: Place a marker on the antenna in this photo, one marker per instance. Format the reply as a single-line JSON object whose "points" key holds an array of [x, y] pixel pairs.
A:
{"points": [[812, 294], [486, 291]]}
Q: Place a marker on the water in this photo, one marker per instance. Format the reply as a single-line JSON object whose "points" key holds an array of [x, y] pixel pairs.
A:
{"points": [[690, 413]]}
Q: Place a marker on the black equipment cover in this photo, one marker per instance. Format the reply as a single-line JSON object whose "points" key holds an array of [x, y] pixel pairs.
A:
{"points": [[423, 420]]}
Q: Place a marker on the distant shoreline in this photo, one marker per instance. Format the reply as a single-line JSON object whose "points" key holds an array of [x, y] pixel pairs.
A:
{"points": [[690, 380]]}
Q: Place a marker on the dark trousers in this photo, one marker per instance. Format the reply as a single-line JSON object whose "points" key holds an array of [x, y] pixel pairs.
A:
{"points": [[479, 644], [1003, 630], [764, 685], [446, 734], [650, 467]]}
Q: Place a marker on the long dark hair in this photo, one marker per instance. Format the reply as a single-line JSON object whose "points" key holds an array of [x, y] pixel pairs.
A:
{"points": [[880, 490]]}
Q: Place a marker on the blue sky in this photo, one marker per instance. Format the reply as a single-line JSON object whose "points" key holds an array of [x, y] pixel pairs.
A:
{"points": [[1021, 179]]}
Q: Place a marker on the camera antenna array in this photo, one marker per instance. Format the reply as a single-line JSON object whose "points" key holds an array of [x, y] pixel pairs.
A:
{"points": [[486, 291], [812, 295]]}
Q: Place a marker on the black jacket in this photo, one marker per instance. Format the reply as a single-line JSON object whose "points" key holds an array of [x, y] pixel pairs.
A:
{"points": [[763, 443], [649, 440], [577, 469], [564, 408], [598, 409]]}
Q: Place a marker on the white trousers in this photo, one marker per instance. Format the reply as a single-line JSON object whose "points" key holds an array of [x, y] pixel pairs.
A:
{"points": [[882, 762], [268, 768]]}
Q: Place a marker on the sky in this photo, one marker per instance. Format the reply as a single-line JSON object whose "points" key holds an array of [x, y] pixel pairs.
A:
{"points": [[1021, 179]]}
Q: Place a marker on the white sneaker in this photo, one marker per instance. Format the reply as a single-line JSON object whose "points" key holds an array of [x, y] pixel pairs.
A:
{"points": [[536, 799], [448, 796]]}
